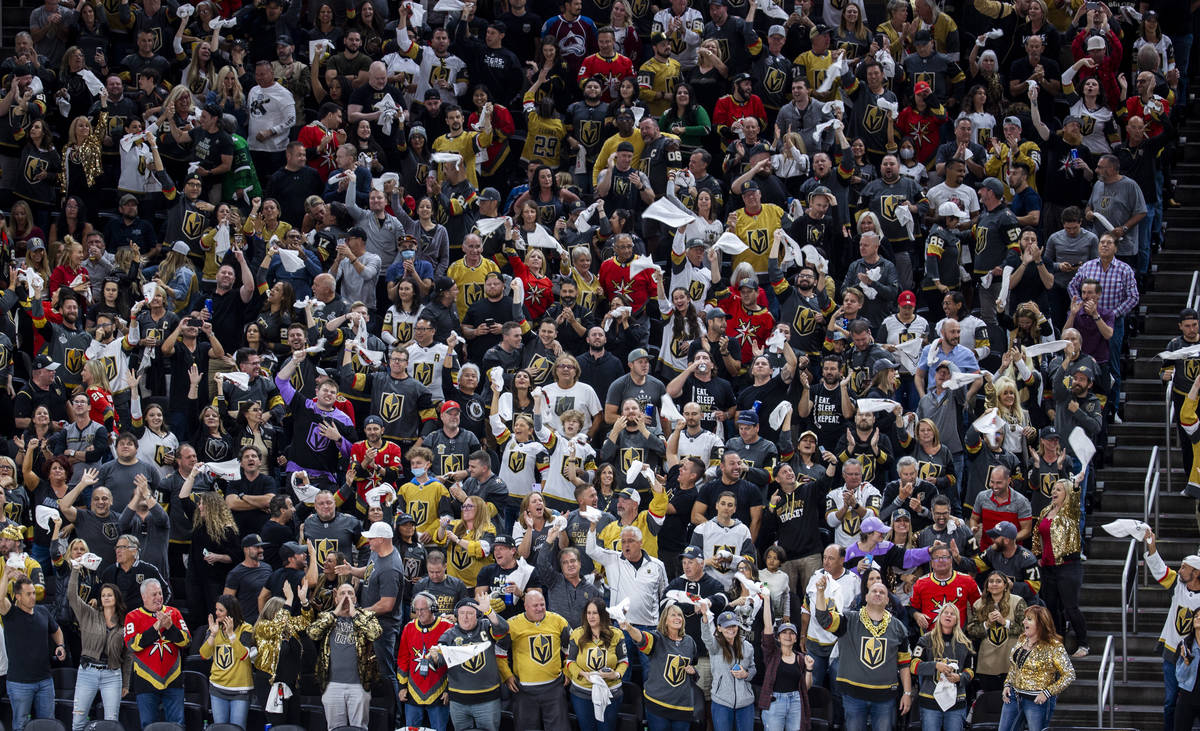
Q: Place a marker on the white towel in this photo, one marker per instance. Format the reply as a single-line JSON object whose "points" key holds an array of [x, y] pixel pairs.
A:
{"points": [[1190, 351], [601, 695], [1005, 280], [641, 264], [729, 243], [792, 251], [834, 124], [908, 352], [635, 469], [1082, 445], [317, 348], [1103, 220], [872, 405], [989, 423], [242, 380], [44, 515], [771, 10], [185, 10], [813, 256], [945, 693], [16, 561], [378, 183], [317, 49], [590, 514], [884, 57], [304, 493], [540, 238], [485, 226], [387, 113], [617, 611], [755, 587], [496, 375], [668, 213], [870, 292], [222, 23], [230, 469], [837, 105], [905, 217], [291, 260], [581, 221], [890, 107], [448, 6], [90, 561], [1053, 346], [669, 410], [223, 241], [456, 655], [520, 575], [376, 495], [1127, 528], [442, 158], [679, 596], [94, 85], [832, 74], [778, 414], [958, 380], [276, 696], [417, 11], [776, 341]]}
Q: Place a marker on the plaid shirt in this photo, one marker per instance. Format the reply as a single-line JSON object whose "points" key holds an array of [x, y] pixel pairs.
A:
{"points": [[1118, 286]]}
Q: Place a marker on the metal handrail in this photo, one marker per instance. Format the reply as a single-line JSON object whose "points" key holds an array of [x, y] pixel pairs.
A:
{"points": [[1130, 562], [1168, 436], [1150, 489], [1191, 298], [1104, 683]]}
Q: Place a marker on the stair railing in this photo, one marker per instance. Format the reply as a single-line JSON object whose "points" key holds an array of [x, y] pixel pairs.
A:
{"points": [[1169, 434], [1193, 291], [1150, 489], [1129, 584], [1104, 683]]}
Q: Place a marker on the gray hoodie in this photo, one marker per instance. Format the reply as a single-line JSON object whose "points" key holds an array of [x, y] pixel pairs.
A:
{"points": [[726, 689]]}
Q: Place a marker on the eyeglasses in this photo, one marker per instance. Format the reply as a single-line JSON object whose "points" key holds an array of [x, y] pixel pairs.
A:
{"points": [[468, 506], [125, 547]]}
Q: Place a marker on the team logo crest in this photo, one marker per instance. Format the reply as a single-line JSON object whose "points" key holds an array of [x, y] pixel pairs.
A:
{"points": [[74, 360], [1183, 621], [193, 224], [423, 372], [980, 239], [696, 290], [593, 659], [566, 464], [997, 634], [630, 454], [391, 406], [420, 512], [223, 657], [325, 546], [774, 80], [872, 651], [563, 404], [516, 461], [757, 240], [471, 293], [541, 649], [439, 73], [675, 671], [805, 322], [851, 522], [459, 558], [476, 663], [452, 463], [1191, 367], [873, 119], [589, 132], [888, 203]]}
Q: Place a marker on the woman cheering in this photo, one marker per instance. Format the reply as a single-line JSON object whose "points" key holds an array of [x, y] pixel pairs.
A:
{"points": [[732, 662], [1038, 671], [943, 653]]}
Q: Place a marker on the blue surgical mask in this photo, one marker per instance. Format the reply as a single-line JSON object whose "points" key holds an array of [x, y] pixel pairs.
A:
{"points": [[408, 254], [418, 471]]}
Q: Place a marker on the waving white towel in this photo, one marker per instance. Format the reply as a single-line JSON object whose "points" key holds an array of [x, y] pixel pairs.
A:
{"points": [[669, 410], [989, 423], [581, 221], [230, 469], [729, 243], [1190, 351], [891, 107], [668, 213], [456, 655], [618, 611], [958, 380], [905, 217], [44, 515], [94, 85], [1126, 528], [832, 74], [240, 379], [641, 264], [376, 495], [872, 405], [1082, 445], [486, 226], [778, 414], [291, 260]]}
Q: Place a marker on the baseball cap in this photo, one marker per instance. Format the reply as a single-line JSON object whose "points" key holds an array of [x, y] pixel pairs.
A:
{"points": [[447, 405], [727, 619], [35, 244], [404, 518], [1010, 119], [922, 87], [1188, 313], [631, 494], [923, 36], [625, 147], [882, 365], [253, 540], [1072, 119], [44, 362], [657, 38], [807, 434], [1084, 369], [179, 247], [749, 185], [786, 627], [504, 540], [128, 198], [776, 30], [378, 530], [635, 354], [715, 314], [213, 110], [291, 548], [819, 29], [950, 208], [283, 39], [1048, 432], [907, 298], [821, 190], [716, 2], [693, 552], [697, 244], [432, 94], [748, 417], [901, 514], [1003, 529], [1193, 560], [748, 283], [1096, 43], [374, 419], [871, 524], [994, 185], [489, 194], [356, 232]]}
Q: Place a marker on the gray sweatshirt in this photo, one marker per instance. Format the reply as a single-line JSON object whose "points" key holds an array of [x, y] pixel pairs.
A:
{"points": [[726, 689]]}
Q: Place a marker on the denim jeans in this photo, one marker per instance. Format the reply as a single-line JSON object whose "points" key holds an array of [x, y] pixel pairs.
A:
{"points": [[874, 715], [385, 656], [1023, 708], [161, 705], [1114, 359], [484, 716], [824, 674], [89, 682], [734, 719], [26, 697], [230, 711], [784, 713], [1170, 694], [633, 671], [585, 714], [1183, 53], [933, 719], [659, 723], [437, 713]]}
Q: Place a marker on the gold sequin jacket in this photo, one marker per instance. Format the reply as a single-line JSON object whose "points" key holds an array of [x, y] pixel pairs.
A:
{"points": [[366, 631], [1047, 668], [87, 151], [270, 634], [1064, 530]]}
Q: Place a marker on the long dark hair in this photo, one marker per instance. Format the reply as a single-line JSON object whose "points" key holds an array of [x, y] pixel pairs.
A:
{"points": [[233, 608], [535, 187], [606, 631], [119, 610], [686, 323], [689, 110]]}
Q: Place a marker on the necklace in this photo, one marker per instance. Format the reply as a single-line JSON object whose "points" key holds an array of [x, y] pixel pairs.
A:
{"points": [[875, 628]]}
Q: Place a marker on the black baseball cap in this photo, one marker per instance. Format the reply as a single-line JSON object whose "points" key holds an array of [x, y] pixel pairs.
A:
{"points": [[1188, 313], [253, 540]]}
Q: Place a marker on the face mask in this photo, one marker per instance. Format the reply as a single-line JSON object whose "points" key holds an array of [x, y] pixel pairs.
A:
{"points": [[906, 154], [418, 471], [407, 254]]}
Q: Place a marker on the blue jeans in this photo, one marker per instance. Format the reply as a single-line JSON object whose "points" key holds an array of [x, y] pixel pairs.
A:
{"points": [[90, 681], [658, 723], [784, 713], [437, 712], [635, 657], [586, 715], [160, 705], [1183, 54], [933, 719], [824, 674], [1114, 359], [230, 711], [1023, 708], [738, 719], [484, 715], [874, 715], [1171, 693], [38, 697]]}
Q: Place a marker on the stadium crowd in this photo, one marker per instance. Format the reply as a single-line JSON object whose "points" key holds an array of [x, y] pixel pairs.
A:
{"points": [[514, 357]]}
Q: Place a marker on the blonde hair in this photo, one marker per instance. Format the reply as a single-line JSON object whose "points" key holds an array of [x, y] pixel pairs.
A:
{"points": [[168, 107], [216, 517], [483, 521], [1016, 414], [99, 375], [937, 643], [665, 614], [239, 96]]}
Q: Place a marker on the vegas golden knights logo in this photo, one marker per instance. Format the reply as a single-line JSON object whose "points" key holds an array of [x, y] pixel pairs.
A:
{"points": [[476, 663], [851, 522], [872, 651], [541, 649], [675, 671], [567, 462], [419, 511], [160, 454], [873, 119], [459, 558], [223, 657], [110, 368], [818, 78], [980, 239], [997, 634], [593, 659], [629, 454], [805, 321], [678, 45], [4, 357], [728, 548], [74, 360], [723, 48], [1191, 368], [403, 331], [1089, 124], [325, 546], [774, 80], [757, 240], [695, 289], [680, 346], [1047, 484], [297, 379], [471, 293], [589, 132], [156, 31], [390, 406], [452, 463], [887, 205], [34, 167], [193, 224], [439, 73], [423, 372], [927, 76], [928, 471], [516, 460], [12, 511], [640, 8], [1183, 621]]}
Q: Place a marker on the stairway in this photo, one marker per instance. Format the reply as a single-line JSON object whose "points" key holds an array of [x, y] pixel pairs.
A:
{"points": [[1138, 700]]}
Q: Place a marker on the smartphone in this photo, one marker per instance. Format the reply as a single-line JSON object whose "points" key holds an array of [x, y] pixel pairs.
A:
{"points": [[193, 322]]}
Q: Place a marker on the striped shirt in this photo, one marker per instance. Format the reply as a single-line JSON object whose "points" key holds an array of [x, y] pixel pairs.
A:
{"points": [[1118, 285]]}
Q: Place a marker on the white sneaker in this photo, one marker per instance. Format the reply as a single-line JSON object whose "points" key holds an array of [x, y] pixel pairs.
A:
{"points": [[1081, 652]]}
